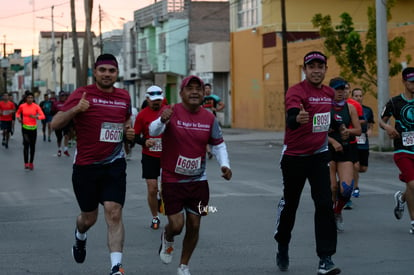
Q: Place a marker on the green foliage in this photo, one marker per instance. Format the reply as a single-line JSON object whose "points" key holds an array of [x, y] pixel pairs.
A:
{"points": [[358, 61]]}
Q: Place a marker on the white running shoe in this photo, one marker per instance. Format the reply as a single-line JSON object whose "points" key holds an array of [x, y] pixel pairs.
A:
{"points": [[183, 270], [339, 223], [399, 205], [166, 250]]}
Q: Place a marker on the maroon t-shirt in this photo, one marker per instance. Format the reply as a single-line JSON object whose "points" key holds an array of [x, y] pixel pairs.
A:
{"points": [[99, 129], [184, 142], [312, 137]]}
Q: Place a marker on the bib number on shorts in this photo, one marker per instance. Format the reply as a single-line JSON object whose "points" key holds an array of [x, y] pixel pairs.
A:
{"points": [[111, 132], [362, 139], [408, 138], [321, 122], [188, 166], [157, 146]]}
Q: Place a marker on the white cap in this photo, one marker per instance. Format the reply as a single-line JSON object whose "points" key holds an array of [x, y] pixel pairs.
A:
{"points": [[154, 93]]}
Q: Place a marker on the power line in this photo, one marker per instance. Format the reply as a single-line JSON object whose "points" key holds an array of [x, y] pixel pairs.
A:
{"points": [[32, 11]]}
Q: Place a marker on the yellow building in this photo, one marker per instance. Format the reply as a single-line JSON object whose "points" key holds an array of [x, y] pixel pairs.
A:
{"points": [[256, 52]]}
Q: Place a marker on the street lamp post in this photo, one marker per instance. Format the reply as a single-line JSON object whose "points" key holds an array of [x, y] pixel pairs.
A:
{"points": [[53, 53]]}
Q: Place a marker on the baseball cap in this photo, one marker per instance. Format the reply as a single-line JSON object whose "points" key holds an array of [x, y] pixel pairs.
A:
{"points": [[154, 93], [314, 55], [337, 83], [187, 80], [408, 74]]}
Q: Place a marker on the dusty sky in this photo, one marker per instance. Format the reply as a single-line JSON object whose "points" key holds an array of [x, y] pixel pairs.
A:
{"points": [[22, 20]]}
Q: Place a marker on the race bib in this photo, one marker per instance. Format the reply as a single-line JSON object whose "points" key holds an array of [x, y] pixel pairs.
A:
{"points": [[362, 139], [188, 166], [408, 138], [321, 122], [7, 112], [111, 132], [157, 146]]}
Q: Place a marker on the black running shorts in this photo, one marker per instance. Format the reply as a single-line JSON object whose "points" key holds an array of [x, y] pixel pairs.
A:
{"points": [[94, 184]]}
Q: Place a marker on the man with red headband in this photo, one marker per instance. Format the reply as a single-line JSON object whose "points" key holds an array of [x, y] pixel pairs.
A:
{"points": [[101, 114]]}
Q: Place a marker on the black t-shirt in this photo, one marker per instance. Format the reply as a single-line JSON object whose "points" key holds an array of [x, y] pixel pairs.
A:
{"points": [[402, 110]]}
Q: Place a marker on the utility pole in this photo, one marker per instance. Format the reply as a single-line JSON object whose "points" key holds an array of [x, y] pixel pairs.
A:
{"points": [[284, 47], [382, 65], [5, 64], [61, 64], [53, 54], [100, 30], [33, 67]]}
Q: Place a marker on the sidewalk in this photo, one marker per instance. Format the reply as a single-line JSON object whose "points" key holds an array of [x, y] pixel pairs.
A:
{"points": [[276, 138]]}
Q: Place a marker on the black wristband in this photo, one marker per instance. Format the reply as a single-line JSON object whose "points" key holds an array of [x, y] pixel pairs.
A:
{"points": [[140, 140]]}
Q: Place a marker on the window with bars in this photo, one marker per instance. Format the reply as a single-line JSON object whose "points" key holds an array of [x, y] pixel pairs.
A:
{"points": [[161, 43], [133, 48], [143, 51], [247, 13]]}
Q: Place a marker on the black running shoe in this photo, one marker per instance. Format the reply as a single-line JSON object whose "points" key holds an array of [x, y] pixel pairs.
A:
{"points": [[117, 270], [327, 267], [79, 250], [282, 258]]}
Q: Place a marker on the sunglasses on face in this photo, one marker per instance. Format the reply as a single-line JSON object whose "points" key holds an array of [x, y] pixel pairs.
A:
{"points": [[154, 93]]}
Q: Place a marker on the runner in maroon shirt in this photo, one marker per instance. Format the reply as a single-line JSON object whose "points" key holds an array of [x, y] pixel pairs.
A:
{"points": [[305, 157], [101, 114], [187, 129], [63, 133]]}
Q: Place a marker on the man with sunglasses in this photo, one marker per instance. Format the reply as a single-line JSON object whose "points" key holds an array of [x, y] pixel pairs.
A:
{"points": [[101, 115], [151, 148]]}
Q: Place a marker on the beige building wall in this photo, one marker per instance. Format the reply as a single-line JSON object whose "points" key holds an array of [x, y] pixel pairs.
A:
{"points": [[257, 72], [299, 13]]}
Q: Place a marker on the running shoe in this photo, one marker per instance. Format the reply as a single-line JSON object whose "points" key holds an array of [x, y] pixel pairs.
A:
{"points": [[399, 205], [282, 258], [210, 155], [183, 270], [355, 194], [155, 224], [166, 249], [412, 229], [327, 267], [6, 145], [26, 166], [348, 205], [59, 153], [48, 139], [31, 166], [79, 250], [117, 270], [44, 138], [66, 153], [339, 222]]}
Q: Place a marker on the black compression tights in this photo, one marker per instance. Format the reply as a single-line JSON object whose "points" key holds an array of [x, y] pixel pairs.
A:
{"points": [[29, 144]]}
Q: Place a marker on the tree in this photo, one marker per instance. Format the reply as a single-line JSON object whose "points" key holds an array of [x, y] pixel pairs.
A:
{"points": [[82, 68], [356, 59]]}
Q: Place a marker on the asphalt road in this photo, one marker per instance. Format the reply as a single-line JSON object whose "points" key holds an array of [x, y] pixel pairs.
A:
{"points": [[38, 211]]}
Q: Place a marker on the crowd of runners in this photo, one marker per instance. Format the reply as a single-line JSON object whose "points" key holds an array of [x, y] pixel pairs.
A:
{"points": [[326, 138]]}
